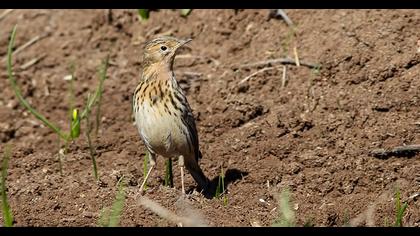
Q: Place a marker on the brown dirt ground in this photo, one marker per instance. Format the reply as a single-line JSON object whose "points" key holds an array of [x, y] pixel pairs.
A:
{"points": [[312, 136]]}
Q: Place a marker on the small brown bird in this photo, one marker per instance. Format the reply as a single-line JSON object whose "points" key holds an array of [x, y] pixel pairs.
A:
{"points": [[162, 114]]}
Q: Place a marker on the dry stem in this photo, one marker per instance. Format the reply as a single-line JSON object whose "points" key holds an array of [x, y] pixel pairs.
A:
{"points": [[270, 62]]}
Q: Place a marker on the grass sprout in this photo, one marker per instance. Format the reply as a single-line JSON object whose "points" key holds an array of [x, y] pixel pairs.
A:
{"points": [[286, 213], [169, 178], [111, 217], [143, 14], [75, 116], [386, 222], [90, 102], [18, 93], [400, 209], [98, 92], [75, 124], [220, 189], [62, 135], [91, 149], [102, 77], [185, 12], [309, 223], [7, 213], [71, 95], [346, 219]]}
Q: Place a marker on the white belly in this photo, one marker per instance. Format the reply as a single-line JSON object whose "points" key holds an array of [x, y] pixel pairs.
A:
{"points": [[161, 132]]}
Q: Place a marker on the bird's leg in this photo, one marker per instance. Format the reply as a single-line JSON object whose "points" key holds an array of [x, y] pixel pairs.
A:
{"points": [[152, 162], [181, 164]]}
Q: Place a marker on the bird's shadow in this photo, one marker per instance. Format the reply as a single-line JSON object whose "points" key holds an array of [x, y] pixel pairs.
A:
{"points": [[231, 175]]}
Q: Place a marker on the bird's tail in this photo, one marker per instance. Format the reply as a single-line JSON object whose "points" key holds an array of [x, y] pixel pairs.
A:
{"points": [[198, 175]]}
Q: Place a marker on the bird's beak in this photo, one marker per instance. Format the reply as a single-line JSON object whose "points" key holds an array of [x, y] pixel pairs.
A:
{"points": [[183, 42]]}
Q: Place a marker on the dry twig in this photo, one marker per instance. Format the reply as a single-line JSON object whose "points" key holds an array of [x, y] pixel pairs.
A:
{"points": [[192, 74], [255, 73], [283, 78], [296, 56], [407, 150], [270, 62], [5, 13], [32, 62], [28, 44]]}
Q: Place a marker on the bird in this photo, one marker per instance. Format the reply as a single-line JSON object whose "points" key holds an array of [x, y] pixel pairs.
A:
{"points": [[162, 114]]}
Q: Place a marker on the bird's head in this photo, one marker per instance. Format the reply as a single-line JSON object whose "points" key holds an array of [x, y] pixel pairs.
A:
{"points": [[162, 50]]}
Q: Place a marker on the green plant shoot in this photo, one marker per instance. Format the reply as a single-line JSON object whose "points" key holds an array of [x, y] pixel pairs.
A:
{"points": [[286, 213], [169, 179], [18, 93], [91, 149], [7, 213], [118, 205], [143, 14], [71, 92], [111, 218], [220, 189], [400, 209], [185, 12], [75, 124], [102, 77]]}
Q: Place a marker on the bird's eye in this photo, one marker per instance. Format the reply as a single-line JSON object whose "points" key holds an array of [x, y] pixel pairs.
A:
{"points": [[163, 48]]}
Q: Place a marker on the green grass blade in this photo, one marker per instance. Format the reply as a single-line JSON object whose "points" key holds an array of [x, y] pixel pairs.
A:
{"points": [[92, 157], [169, 179], [7, 213], [143, 14], [104, 217], [400, 210], [309, 223], [71, 95], [102, 78], [91, 149], [185, 12], [218, 188], [75, 125], [386, 222], [225, 198], [117, 206], [286, 215], [19, 94], [98, 92]]}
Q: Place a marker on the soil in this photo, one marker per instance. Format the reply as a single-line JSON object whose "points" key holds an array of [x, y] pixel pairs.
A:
{"points": [[311, 136]]}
